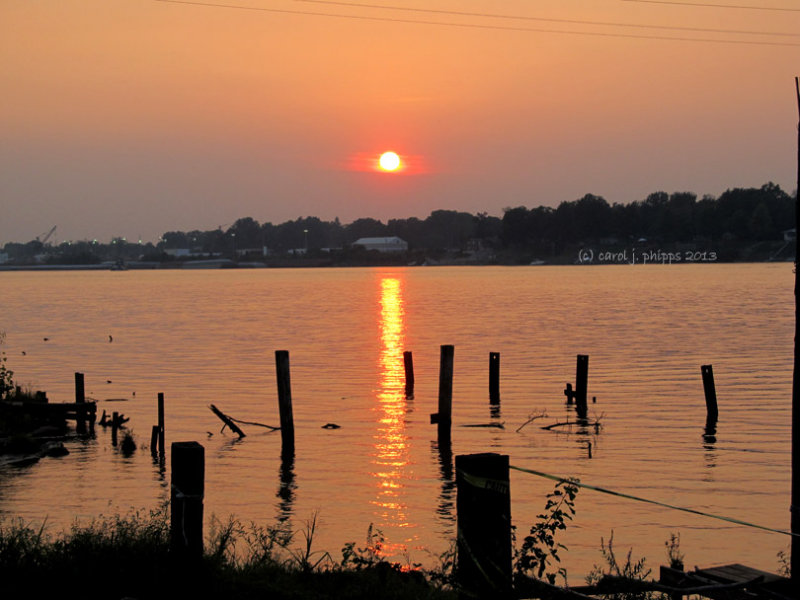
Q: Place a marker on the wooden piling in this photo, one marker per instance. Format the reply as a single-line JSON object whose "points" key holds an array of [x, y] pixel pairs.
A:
{"points": [[80, 400], [114, 428], [581, 381], [483, 505], [408, 365], [443, 418], [186, 500], [285, 399], [154, 441], [494, 378], [707, 372], [161, 447]]}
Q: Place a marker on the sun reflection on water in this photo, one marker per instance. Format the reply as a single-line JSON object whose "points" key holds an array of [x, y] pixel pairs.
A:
{"points": [[391, 448]]}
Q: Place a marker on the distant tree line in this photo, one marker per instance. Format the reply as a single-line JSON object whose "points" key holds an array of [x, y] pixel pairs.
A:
{"points": [[738, 216]]}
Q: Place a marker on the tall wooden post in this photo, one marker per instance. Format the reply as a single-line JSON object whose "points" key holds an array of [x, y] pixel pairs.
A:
{"points": [[285, 399], [710, 391], [443, 418], [408, 365], [483, 505], [795, 500], [186, 499], [161, 447], [80, 400], [494, 378]]}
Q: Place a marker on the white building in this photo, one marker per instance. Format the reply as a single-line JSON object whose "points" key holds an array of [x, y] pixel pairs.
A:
{"points": [[382, 244]]}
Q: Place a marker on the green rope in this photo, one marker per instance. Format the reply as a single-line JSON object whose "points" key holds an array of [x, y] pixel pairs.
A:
{"points": [[657, 503]]}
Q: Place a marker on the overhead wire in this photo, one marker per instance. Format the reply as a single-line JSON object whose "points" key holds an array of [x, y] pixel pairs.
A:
{"points": [[547, 19], [712, 5], [480, 25]]}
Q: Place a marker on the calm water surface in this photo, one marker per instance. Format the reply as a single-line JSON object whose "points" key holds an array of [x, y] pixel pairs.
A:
{"points": [[204, 337]]}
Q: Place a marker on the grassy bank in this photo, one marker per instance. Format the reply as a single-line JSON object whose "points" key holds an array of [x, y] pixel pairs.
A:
{"points": [[129, 557]]}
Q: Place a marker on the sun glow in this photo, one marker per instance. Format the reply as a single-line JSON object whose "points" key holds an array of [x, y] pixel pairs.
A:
{"points": [[389, 161]]}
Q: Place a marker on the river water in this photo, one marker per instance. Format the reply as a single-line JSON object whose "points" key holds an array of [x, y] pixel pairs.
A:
{"points": [[204, 337]]}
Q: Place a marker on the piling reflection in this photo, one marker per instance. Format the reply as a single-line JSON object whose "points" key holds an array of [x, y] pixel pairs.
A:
{"points": [[391, 454], [287, 487]]}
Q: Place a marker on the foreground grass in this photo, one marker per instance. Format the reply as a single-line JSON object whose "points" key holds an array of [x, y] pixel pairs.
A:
{"points": [[129, 557]]}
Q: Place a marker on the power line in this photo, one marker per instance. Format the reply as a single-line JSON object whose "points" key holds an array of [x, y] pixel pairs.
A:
{"points": [[478, 25], [544, 19], [709, 5]]}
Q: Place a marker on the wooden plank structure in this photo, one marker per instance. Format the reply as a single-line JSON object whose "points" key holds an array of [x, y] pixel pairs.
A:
{"points": [[728, 582], [69, 411]]}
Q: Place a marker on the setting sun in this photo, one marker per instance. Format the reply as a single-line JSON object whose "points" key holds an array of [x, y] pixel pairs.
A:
{"points": [[389, 161]]}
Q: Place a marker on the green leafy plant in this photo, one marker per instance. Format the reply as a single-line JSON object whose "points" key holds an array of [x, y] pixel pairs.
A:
{"points": [[635, 570], [674, 553], [6, 375], [539, 552], [368, 556], [785, 563]]}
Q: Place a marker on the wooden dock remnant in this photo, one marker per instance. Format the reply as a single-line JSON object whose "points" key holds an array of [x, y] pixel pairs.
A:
{"points": [[285, 399], [408, 366], [80, 401], [161, 448], [483, 505], [443, 418], [186, 500], [707, 371], [581, 384], [494, 378]]}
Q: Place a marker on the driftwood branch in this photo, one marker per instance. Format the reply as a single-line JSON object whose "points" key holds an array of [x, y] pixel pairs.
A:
{"points": [[227, 420], [552, 426], [270, 427], [531, 419]]}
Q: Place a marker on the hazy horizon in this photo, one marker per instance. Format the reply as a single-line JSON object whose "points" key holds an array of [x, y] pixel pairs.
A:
{"points": [[129, 119]]}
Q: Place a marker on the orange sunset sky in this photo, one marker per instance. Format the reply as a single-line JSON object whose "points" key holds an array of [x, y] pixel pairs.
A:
{"points": [[135, 117]]}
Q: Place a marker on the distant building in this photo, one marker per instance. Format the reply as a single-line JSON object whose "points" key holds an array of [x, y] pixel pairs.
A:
{"points": [[3, 257], [382, 244]]}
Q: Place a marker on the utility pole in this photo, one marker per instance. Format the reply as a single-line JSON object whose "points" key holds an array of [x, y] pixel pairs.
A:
{"points": [[795, 500]]}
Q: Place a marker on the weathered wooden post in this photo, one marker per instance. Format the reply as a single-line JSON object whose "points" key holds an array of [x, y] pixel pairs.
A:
{"points": [[581, 381], [80, 401], [408, 364], [443, 418], [483, 506], [114, 427], [186, 500], [161, 447], [494, 378], [285, 399], [154, 441], [710, 390]]}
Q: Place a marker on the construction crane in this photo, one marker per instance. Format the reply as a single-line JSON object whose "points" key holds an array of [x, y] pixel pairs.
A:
{"points": [[47, 236]]}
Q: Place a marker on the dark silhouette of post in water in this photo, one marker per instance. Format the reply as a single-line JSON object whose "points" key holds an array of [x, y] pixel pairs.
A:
{"points": [[285, 400], [444, 417], [80, 400], [494, 378], [161, 447], [186, 500], [154, 441], [408, 364], [795, 500], [710, 391], [581, 384], [483, 505], [114, 427]]}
